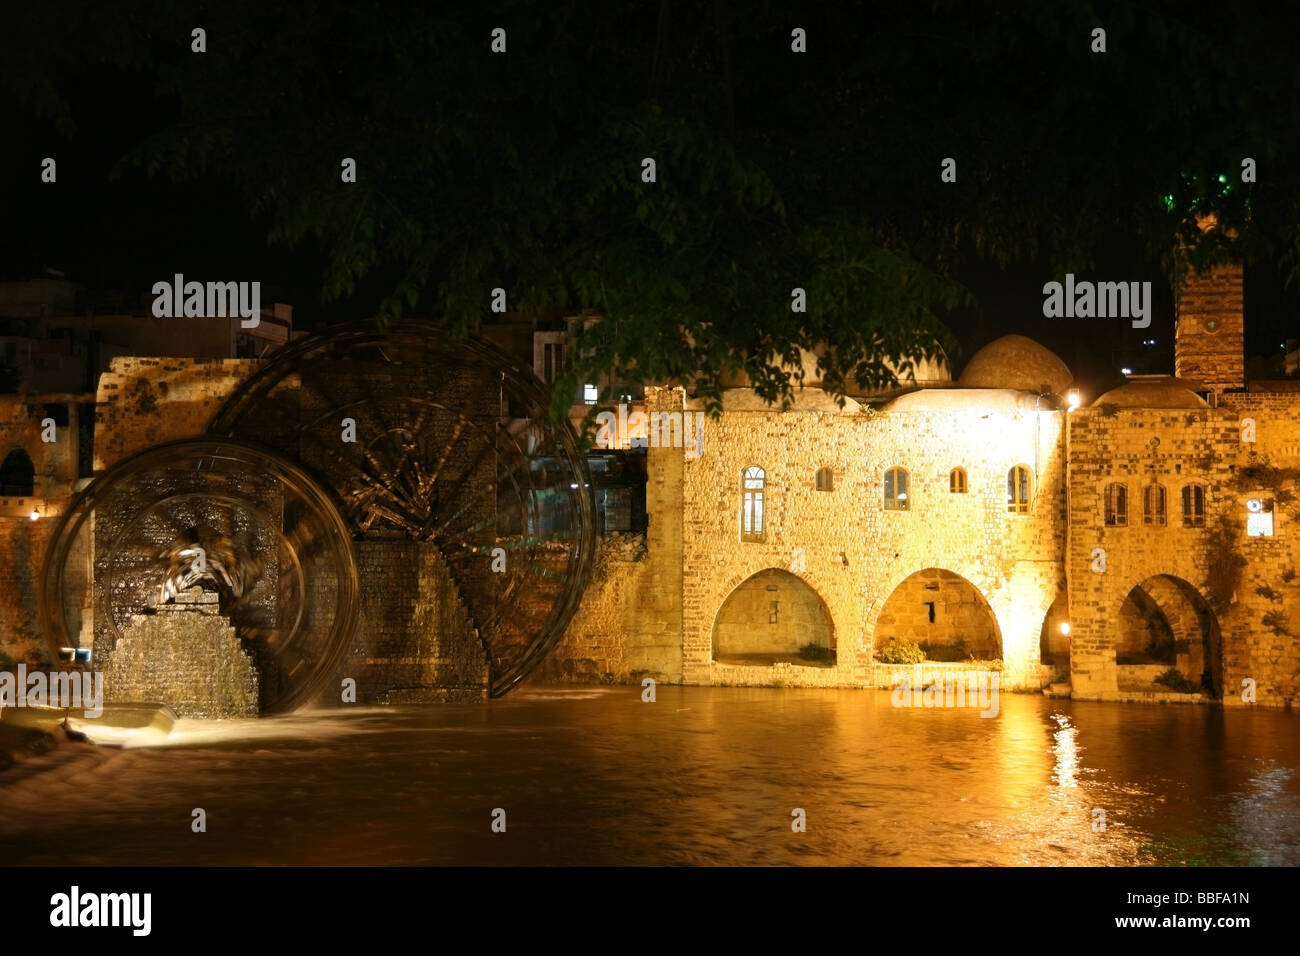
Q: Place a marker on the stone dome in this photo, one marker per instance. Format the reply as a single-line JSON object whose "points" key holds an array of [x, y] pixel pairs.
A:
{"points": [[1153, 391], [924, 372], [1014, 361], [952, 401]]}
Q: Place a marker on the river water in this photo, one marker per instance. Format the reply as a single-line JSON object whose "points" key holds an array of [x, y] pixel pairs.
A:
{"points": [[700, 776]]}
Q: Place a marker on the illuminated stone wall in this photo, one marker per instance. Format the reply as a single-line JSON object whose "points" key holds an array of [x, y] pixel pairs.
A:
{"points": [[653, 614], [1262, 630], [613, 638], [1176, 447], [841, 543], [23, 541], [22, 549], [629, 625], [853, 552], [1209, 329], [855, 555], [147, 401]]}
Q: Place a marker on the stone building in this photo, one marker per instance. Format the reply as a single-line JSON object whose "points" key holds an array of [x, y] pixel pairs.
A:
{"points": [[1148, 533], [44, 447], [988, 520]]}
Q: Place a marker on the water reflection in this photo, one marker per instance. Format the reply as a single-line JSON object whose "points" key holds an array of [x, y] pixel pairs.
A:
{"points": [[703, 775], [1066, 752]]}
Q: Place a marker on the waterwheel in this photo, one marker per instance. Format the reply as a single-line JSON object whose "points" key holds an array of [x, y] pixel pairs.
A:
{"points": [[425, 440], [240, 525]]}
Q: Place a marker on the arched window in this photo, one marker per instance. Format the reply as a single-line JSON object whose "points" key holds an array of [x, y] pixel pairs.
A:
{"points": [[1019, 486], [1116, 505], [17, 476], [896, 487], [751, 509], [825, 480], [1154, 505], [1193, 506], [957, 481]]}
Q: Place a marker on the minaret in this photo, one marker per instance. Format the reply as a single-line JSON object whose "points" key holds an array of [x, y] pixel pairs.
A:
{"points": [[1209, 327]]}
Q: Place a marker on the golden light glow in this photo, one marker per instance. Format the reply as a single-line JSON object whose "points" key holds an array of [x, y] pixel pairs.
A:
{"points": [[1065, 628], [1065, 752]]}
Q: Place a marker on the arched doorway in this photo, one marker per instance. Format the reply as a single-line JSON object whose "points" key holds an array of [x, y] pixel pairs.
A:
{"points": [[1165, 624], [1054, 641], [770, 617], [17, 475], [943, 613]]}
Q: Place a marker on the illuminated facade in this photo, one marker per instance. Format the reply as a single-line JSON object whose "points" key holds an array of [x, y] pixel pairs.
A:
{"points": [[1147, 534]]}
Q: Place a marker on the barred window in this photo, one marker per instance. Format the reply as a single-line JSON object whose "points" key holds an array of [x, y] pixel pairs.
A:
{"points": [[1154, 505], [1193, 506], [1116, 505]]}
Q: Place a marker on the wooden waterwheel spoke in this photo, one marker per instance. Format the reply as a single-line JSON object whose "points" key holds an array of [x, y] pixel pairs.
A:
{"points": [[440, 466], [462, 420]]}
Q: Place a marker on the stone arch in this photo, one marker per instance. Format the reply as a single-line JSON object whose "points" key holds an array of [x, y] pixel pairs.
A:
{"points": [[943, 612], [770, 616], [1162, 621], [1053, 643], [17, 475]]}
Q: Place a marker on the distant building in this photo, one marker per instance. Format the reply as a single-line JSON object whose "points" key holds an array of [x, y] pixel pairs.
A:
{"points": [[51, 342]]}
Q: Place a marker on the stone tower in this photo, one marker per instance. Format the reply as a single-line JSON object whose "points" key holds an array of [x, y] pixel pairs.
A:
{"points": [[1209, 328]]}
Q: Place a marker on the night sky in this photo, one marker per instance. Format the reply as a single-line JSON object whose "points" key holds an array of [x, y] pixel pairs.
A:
{"points": [[117, 230]]}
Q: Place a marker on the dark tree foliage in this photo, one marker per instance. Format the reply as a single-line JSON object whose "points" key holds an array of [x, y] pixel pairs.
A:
{"points": [[775, 170]]}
